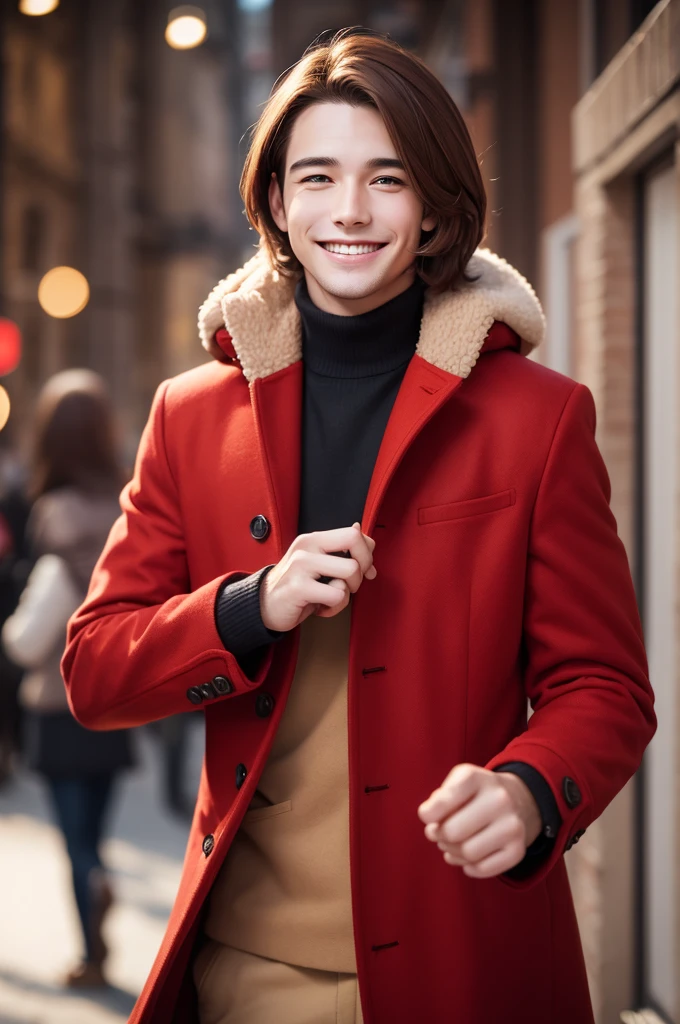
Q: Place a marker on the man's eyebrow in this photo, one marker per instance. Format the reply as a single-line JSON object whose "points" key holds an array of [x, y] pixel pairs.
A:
{"points": [[377, 163], [314, 161]]}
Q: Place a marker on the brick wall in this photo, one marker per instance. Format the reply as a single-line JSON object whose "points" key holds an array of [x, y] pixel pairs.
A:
{"points": [[629, 115]]}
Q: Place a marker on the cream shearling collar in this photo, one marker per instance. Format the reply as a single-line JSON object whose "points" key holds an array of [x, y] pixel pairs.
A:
{"points": [[256, 305]]}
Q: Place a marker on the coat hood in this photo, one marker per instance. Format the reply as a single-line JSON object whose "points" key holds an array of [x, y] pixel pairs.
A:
{"points": [[253, 317]]}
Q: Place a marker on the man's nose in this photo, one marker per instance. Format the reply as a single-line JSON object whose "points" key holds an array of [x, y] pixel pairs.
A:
{"points": [[351, 206]]}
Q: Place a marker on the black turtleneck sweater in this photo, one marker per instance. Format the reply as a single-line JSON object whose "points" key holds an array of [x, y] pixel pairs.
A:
{"points": [[353, 368]]}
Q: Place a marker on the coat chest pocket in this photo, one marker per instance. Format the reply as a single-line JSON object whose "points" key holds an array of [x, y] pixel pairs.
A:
{"points": [[466, 508]]}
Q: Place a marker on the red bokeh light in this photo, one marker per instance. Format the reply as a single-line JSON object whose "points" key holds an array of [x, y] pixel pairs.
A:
{"points": [[10, 346]]}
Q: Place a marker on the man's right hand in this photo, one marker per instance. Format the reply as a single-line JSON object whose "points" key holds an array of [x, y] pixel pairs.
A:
{"points": [[292, 590]]}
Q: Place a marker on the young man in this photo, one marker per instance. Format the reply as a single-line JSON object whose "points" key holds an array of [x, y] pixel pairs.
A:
{"points": [[379, 833]]}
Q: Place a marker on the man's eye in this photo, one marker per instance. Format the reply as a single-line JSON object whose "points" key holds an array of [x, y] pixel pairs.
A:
{"points": [[316, 179], [385, 179]]}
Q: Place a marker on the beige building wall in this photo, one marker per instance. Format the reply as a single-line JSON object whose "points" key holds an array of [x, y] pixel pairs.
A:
{"points": [[620, 125]]}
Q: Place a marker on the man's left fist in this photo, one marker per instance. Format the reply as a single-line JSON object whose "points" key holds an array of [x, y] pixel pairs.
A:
{"points": [[482, 821]]}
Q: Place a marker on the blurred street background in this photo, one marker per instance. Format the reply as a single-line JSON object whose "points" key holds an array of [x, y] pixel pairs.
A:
{"points": [[123, 129], [39, 931]]}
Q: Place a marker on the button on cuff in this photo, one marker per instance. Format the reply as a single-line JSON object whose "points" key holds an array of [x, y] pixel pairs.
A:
{"points": [[223, 685], [572, 794]]}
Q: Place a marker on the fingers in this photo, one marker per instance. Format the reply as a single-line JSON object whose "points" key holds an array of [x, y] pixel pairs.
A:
{"points": [[473, 817], [349, 538], [494, 865], [474, 821], [362, 551], [330, 567], [327, 613], [498, 837], [459, 786]]}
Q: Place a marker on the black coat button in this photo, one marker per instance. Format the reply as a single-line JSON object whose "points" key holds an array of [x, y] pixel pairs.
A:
{"points": [[208, 845], [572, 794], [194, 694], [241, 772], [575, 838], [259, 527], [264, 705], [222, 685], [208, 690]]}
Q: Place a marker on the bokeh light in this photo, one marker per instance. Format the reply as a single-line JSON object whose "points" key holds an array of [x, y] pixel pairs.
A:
{"points": [[63, 292], [187, 27], [10, 346], [36, 7], [4, 407]]}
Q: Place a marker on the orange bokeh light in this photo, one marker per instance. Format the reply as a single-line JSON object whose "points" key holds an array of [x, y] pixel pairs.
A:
{"points": [[4, 407], [63, 292]]}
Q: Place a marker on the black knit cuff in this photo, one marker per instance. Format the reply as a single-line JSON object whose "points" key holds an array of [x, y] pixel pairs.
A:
{"points": [[238, 616], [541, 792], [542, 846]]}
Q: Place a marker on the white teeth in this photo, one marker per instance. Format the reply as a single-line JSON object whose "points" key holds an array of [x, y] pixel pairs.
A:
{"points": [[349, 250]]}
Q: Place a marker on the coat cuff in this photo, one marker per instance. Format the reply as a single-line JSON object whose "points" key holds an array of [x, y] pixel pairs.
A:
{"points": [[543, 845], [572, 798], [542, 794], [238, 616]]}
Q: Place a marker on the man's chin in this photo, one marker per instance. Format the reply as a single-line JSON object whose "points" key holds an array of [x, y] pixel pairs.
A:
{"points": [[349, 289]]}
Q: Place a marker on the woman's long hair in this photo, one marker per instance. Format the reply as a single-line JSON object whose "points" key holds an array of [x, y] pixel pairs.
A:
{"points": [[74, 442]]}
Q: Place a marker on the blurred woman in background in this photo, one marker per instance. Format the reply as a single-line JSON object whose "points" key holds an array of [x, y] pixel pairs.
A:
{"points": [[75, 482]]}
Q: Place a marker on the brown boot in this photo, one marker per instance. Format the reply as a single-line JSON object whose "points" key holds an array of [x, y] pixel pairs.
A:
{"points": [[85, 975], [102, 899]]}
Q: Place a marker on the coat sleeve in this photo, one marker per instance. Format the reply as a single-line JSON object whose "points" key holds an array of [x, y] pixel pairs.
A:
{"points": [[585, 663], [143, 643]]}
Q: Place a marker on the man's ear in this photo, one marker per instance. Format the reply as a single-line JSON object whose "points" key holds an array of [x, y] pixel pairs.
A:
{"points": [[429, 222], [276, 204]]}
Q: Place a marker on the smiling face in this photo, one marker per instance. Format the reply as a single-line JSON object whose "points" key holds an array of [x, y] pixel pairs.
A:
{"points": [[352, 217]]}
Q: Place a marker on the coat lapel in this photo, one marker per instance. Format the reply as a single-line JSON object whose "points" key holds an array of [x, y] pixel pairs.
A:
{"points": [[277, 407], [423, 391]]}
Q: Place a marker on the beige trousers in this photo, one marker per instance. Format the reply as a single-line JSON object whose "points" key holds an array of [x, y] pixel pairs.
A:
{"points": [[235, 987]]}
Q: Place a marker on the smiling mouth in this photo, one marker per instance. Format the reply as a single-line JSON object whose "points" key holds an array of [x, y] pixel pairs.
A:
{"points": [[356, 249]]}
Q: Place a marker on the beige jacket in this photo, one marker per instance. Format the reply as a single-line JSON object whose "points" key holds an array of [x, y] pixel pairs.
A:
{"points": [[67, 528], [284, 890]]}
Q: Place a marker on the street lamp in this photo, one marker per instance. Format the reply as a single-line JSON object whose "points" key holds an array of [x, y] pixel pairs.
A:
{"points": [[187, 27], [36, 7]]}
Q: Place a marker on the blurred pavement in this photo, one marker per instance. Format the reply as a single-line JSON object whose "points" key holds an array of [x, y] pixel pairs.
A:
{"points": [[39, 939]]}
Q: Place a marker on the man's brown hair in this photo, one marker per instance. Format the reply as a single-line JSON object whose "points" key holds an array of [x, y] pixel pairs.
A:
{"points": [[429, 134]]}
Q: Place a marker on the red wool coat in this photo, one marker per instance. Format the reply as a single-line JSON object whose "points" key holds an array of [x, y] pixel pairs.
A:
{"points": [[500, 578]]}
